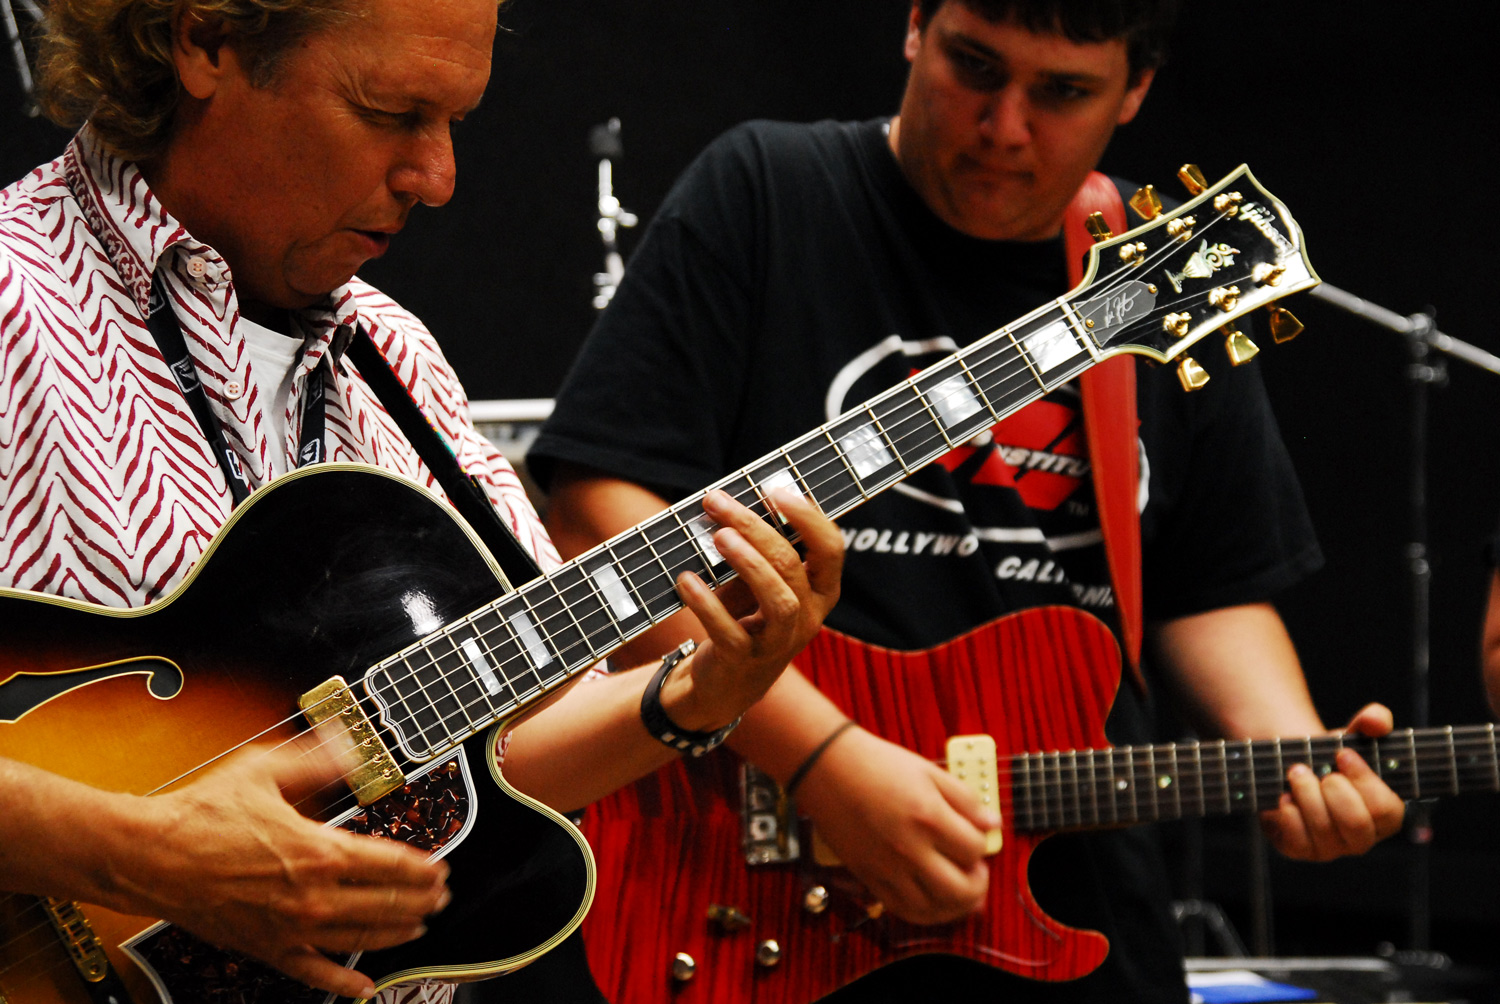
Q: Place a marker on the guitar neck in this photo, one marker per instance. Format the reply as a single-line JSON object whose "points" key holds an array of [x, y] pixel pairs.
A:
{"points": [[1091, 789], [502, 658]]}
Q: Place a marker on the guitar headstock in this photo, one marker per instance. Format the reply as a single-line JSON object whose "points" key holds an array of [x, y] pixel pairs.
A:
{"points": [[1162, 287]]}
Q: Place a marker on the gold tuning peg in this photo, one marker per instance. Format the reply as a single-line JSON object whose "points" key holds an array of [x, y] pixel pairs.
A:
{"points": [[1239, 347], [1192, 375], [1098, 229], [1192, 179], [1284, 325], [1146, 203]]}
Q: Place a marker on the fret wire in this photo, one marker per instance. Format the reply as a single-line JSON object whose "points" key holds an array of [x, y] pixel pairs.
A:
{"points": [[1224, 769], [1114, 795], [1080, 329], [1494, 757], [1416, 774], [927, 407], [568, 609], [608, 608], [1452, 757], [1025, 761], [859, 485], [422, 688], [437, 712], [978, 389], [463, 707], [624, 573], [1094, 787], [1130, 784], [692, 538], [410, 719], [523, 653], [1176, 782], [791, 465], [498, 665], [1198, 769], [880, 429], [538, 623], [1073, 794], [1036, 374]]}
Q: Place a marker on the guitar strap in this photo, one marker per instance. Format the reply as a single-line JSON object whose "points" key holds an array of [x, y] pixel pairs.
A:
{"points": [[1110, 426], [463, 489]]}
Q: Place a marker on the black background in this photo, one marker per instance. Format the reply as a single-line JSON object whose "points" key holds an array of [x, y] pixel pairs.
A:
{"points": [[1374, 123]]}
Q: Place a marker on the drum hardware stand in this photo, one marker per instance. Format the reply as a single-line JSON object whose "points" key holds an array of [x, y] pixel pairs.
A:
{"points": [[1424, 371], [18, 50], [604, 142]]}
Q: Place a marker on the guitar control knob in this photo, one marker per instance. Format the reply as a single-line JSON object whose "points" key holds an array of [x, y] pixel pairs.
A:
{"points": [[768, 954], [683, 967], [1192, 376], [728, 918], [815, 900]]}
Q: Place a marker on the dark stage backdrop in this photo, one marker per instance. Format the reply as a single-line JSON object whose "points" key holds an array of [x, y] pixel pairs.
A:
{"points": [[1375, 123]]}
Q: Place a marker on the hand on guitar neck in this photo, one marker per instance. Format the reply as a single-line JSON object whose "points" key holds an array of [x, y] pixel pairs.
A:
{"points": [[227, 857], [1346, 812]]}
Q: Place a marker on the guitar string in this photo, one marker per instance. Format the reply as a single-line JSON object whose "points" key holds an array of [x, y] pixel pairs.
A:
{"points": [[411, 721], [1008, 370]]}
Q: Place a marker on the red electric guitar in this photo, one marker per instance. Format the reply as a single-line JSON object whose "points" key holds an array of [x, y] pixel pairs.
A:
{"points": [[707, 893]]}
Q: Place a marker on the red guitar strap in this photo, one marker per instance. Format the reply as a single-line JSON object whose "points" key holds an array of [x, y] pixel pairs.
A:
{"points": [[1109, 424]]}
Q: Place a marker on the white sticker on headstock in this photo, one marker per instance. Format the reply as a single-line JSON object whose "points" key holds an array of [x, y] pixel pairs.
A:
{"points": [[864, 450], [1051, 346], [954, 401], [608, 582]]}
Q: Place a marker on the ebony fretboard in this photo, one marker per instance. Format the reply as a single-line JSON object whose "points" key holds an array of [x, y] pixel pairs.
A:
{"points": [[1086, 789]]}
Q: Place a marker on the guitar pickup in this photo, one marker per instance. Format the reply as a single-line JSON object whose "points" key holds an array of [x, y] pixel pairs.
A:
{"points": [[768, 832], [972, 759], [370, 770]]}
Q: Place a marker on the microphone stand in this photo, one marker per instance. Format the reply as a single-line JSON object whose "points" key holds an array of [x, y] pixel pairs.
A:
{"points": [[18, 51], [604, 141], [1425, 370]]}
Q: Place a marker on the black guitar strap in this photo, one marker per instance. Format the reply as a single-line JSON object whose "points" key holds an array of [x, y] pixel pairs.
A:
{"points": [[462, 489]]}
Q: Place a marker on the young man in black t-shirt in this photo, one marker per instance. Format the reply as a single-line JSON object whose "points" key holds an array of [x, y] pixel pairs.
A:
{"points": [[795, 271]]}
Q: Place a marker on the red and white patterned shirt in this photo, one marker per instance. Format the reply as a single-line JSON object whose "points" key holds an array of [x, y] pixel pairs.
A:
{"points": [[109, 491]]}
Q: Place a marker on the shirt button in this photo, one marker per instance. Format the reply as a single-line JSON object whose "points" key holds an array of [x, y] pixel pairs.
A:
{"points": [[197, 267], [233, 389]]}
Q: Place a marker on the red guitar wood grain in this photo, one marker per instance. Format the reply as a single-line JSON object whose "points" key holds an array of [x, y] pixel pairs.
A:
{"points": [[669, 847]]}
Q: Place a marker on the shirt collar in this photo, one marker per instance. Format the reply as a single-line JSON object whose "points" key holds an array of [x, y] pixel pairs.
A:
{"points": [[136, 230]]}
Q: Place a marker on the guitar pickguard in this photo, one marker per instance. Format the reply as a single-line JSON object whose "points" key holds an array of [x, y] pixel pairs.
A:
{"points": [[432, 812]]}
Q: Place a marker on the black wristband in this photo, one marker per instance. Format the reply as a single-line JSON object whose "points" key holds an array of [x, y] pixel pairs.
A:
{"points": [[800, 774], [662, 728]]}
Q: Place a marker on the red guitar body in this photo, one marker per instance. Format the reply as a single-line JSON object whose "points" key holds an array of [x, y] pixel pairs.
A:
{"points": [[670, 846]]}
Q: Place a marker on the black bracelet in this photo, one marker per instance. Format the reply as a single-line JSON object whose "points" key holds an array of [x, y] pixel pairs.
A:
{"points": [[800, 774], [661, 727]]}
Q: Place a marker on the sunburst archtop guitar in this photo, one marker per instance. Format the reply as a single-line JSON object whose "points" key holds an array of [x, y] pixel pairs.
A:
{"points": [[343, 600]]}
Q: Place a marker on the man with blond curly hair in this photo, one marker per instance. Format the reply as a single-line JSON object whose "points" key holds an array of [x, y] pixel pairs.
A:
{"points": [[237, 162]]}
